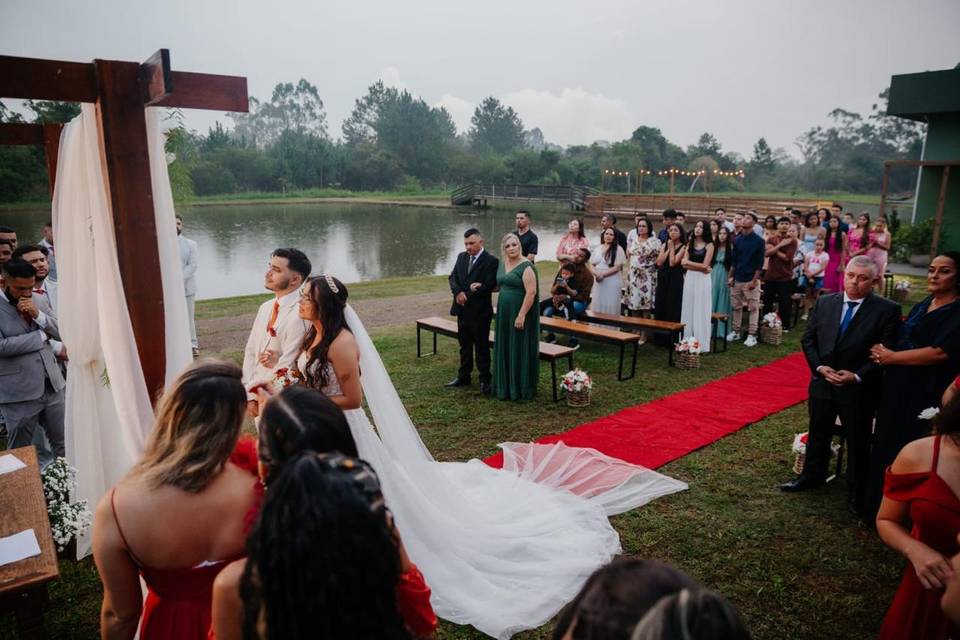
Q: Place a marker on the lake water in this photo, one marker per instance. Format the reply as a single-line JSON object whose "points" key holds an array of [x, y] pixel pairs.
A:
{"points": [[355, 242]]}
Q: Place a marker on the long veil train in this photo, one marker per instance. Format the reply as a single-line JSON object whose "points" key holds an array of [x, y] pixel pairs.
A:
{"points": [[502, 550]]}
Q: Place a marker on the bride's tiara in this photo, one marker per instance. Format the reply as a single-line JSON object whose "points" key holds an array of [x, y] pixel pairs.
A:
{"points": [[331, 283]]}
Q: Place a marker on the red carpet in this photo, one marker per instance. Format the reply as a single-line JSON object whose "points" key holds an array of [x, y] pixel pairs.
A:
{"points": [[657, 432]]}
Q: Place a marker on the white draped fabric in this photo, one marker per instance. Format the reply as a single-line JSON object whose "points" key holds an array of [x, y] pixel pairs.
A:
{"points": [[501, 550], [108, 410]]}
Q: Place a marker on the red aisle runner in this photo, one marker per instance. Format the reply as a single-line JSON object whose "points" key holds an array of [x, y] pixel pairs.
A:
{"points": [[654, 433]]}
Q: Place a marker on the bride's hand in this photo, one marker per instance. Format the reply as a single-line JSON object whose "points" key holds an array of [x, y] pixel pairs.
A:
{"points": [[270, 358]]}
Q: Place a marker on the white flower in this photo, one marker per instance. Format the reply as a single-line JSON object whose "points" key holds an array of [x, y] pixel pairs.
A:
{"points": [[929, 413]]}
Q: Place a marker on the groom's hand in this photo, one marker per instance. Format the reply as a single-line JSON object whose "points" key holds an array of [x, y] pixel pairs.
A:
{"points": [[461, 298], [475, 286]]}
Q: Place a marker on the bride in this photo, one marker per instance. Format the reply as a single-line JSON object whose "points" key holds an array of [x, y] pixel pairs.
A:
{"points": [[502, 550]]}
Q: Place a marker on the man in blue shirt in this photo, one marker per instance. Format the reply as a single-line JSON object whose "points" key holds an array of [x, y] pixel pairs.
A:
{"points": [[744, 279]]}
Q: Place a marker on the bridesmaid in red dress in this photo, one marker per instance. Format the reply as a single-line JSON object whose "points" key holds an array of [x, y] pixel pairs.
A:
{"points": [[922, 488], [177, 517]]}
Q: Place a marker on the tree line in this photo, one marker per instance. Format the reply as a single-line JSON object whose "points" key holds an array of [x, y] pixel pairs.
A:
{"points": [[395, 141]]}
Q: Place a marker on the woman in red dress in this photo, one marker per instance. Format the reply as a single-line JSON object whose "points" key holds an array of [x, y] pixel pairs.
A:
{"points": [[177, 518], [922, 488], [296, 421]]}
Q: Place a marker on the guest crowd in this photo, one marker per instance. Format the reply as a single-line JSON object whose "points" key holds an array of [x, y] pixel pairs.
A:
{"points": [[288, 535]]}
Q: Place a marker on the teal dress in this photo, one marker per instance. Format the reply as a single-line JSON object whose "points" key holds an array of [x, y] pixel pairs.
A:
{"points": [[516, 354], [721, 292]]}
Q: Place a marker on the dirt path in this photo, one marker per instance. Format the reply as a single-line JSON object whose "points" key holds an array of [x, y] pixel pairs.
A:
{"points": [[224, 335]]}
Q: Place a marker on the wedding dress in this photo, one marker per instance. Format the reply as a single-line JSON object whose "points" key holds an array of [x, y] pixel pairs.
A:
{"points": [[502, 550]]}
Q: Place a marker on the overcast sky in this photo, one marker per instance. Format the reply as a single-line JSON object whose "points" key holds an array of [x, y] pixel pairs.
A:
{"points": [[581, 71]]}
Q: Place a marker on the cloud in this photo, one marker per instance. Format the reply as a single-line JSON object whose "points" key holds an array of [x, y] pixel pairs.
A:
{"points": [[460, 110], [573, 117]]}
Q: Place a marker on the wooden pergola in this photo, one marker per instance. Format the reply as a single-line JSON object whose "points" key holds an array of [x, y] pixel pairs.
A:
{"points": [[941, 196], [121, 91]]}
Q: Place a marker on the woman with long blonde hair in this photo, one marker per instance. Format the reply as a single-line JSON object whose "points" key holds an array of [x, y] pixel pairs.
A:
{"points": [[177, 517]]}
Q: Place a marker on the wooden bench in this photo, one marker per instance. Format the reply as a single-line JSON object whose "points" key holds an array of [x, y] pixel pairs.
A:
{"points": [[583, 330], [548, 352], [675, 329], [715, 320]]}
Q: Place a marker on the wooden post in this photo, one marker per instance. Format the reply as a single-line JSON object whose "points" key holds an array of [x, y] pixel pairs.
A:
{"points": [[883, 189], [51, 148], [938, 220], [671, 180]]}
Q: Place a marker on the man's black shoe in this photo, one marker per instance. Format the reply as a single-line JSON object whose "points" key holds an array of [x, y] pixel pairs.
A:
{"points": [[458, 382], [801, 484], [485, 388]]}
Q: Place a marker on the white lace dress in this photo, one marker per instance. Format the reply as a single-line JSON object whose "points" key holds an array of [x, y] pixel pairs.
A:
{"points": [[502, 550]]}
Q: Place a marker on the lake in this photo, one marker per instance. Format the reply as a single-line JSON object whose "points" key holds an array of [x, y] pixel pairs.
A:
{"points": [[355, 242]]}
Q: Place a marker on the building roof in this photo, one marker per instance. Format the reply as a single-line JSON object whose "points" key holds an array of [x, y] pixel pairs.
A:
{"points": [[919, 95]]}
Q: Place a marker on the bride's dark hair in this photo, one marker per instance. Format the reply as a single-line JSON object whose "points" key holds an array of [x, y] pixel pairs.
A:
{"points": [[328, 303]]}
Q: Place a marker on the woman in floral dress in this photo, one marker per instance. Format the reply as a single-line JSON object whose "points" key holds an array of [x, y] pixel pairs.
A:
{"points": [[642, 277]]}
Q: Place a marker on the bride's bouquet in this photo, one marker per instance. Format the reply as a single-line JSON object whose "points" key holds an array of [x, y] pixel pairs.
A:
{"points": [[286, 377]]}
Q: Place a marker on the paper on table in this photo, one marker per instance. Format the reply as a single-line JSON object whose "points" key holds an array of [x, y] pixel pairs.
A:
{"points": [[10, 462], [18, 546]]}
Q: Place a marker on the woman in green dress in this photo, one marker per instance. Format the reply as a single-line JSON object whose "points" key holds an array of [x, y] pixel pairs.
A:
{"points": [[516, 348], [721, 263]]}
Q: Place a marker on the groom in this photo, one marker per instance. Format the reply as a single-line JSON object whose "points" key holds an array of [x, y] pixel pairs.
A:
{"points": [[472, 282], [842, 328]]}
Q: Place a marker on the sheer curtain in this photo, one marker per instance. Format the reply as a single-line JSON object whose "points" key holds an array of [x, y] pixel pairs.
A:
{"points": [[108, 410]]}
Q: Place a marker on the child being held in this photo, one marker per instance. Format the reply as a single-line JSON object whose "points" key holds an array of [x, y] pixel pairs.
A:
{"points": [[814, 266], [562, 292]]}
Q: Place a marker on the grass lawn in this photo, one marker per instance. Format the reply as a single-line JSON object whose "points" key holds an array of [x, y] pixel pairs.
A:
{"points": [[797, 566]]}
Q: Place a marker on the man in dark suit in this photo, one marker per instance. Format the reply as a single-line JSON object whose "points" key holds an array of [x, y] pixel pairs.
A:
{"points": [[841, 330], [472, 282]]}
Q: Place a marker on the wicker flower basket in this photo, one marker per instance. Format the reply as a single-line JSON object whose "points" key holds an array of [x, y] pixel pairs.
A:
{"points": [[771, 335], [687, 360], [578, 398], [799, 460]]}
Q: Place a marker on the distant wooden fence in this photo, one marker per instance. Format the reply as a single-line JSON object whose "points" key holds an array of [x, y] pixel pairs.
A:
{"points": [[477, 194], [693, 205]]}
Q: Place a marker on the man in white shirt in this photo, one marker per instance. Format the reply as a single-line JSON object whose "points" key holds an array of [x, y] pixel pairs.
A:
{"points": [[188, 262], [278, 329], [47, 243], [720, 215]]}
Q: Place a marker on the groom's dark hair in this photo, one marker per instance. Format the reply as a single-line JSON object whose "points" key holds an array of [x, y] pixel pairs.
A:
{"points": [[472, 231], [296, 260]]}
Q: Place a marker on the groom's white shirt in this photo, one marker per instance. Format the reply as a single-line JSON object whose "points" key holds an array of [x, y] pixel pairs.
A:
{"points": [[290, 330]]}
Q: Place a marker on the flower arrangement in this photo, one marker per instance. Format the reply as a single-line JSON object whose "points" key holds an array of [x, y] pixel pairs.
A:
{"points": [[800, 451], [902, 285], [929, 413], [67, 519], [286, 377], [772, 320], [576, 381], [688, 345]]}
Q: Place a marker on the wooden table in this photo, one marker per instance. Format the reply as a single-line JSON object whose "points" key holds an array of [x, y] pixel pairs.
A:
{"points": [[23, 584]]}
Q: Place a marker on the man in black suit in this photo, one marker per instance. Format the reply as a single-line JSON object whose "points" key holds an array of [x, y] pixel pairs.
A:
{"points": [[841, 330], [472, 282]]}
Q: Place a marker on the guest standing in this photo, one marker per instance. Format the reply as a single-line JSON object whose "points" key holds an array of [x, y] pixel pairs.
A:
{"points": [[572, 241], [642, 277], [836, 243], [632, 235], [858, 238], [718, 276], [922, 362], [920, 518], [698, 286], [9, 236], [188, 262], [6, 251], [529, 243], [669, 295], [815, 264], [278, 330], [836, 344], [47, 242], [609, 221], [879, 247], [744, 280], [608, 259], [516, 347], [668, 217], [185, 483], [778, 283], [472, 282]]}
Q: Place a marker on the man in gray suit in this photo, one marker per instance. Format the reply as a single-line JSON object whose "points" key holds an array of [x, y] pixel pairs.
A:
{"points": [[188, 260], [31, 385]]}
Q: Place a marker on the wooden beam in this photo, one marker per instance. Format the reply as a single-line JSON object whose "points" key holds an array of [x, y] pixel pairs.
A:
{"points": [[20, 133], [51, 147], [938, 220], [883, 189], [207, 91], [123, 132], [35, 79], [156, 81], [922, 163]]}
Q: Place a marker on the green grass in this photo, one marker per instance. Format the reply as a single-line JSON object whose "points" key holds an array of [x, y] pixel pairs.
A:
{"points": [[796, 566]]}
